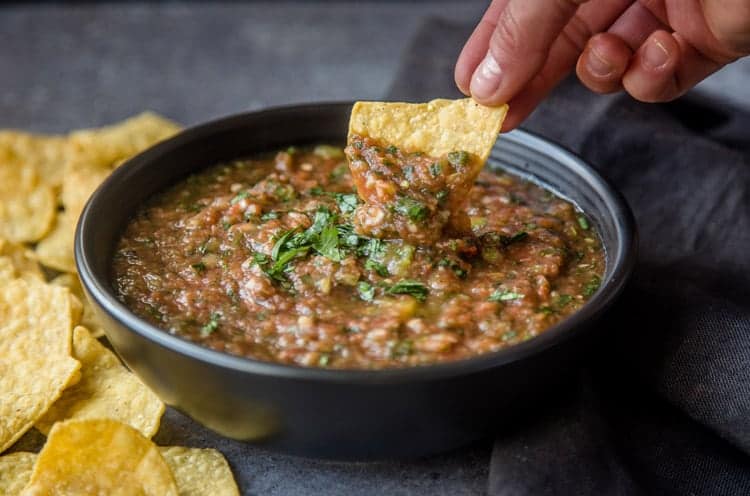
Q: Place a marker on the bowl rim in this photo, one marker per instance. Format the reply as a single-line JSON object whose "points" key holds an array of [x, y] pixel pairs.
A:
{"points": [[611, 287]]}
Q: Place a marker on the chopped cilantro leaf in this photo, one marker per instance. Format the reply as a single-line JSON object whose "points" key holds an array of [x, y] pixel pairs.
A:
{"points": [[211, 325], [458, 159], [260, 258], [563, 300], [436, 169], [239, 197], [454, 266], [392, 150], [347, 203], [376, 266], [199, 267], [503, 295], [413, 288], [327, 243], [583, 222], [280, 265], [366, 290], [592, 286], [269, 215], [280, 242], [411, 208]]}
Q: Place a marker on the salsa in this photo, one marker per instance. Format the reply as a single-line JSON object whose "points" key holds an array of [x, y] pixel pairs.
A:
{"points": [[277, 258], [409, 196]]}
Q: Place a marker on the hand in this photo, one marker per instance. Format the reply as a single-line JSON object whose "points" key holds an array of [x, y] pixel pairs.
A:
{"points": [[654, 49]]}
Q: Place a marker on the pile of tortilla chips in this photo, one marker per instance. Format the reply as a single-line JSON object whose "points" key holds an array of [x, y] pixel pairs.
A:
{"points": [[55, 375]]}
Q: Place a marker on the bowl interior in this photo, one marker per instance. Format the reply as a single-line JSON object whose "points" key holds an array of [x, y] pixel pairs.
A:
{"points": [[518, 152]]}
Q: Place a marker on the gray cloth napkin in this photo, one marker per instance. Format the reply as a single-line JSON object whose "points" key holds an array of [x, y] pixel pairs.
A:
{"points": [[663, 405]]}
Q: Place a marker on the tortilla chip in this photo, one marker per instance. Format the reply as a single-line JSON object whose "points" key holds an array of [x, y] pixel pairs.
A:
{"points": [[435, 128], [82, 176], [200, 472], [7, 269], [35, 354], [99, 456], [122, 140], [92, 156], [89, 320], [94, 153], [27, 206], [21, 260], [56, 249], [44, 153], [15, 470], [106, 390]]}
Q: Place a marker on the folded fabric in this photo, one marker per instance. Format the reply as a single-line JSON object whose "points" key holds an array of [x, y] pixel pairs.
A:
{"points": [[663, 404]]}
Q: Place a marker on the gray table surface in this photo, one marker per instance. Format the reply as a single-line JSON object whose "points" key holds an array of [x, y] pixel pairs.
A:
{"points": [[70, 66]]}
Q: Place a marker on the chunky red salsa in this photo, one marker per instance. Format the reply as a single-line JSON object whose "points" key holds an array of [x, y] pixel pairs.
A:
{"points": [[277, 258]]}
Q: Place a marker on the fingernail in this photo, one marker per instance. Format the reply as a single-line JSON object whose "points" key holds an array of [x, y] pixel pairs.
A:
{"points": [[597, 65], [486, 78], [655, 55]]}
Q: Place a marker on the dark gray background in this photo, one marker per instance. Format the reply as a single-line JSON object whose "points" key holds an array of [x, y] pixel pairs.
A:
{"points": [[67, 66], [63, 67]]}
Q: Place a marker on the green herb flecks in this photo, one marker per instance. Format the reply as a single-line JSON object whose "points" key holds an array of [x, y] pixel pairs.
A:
{"points": [[405, 347], [348, 237], [409, 287], [347, 203], [327, 243], [436, 169], [454, 266], [324, 360], [239, 197], [583, 222], [211, 325], [366, 290], [563, 300], [504, 295], [413, 209], [339, 171], [199, 267], [269, 216], [322, 236], [592, 286], [379, 268], [260, 258], [458, 159], [502, 240]]}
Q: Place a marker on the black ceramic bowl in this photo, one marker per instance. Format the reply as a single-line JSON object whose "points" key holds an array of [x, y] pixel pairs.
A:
{"points": [[341, 414]]}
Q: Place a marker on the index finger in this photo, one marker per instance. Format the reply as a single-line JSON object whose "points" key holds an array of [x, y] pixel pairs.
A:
{"points": [[519, 46]]}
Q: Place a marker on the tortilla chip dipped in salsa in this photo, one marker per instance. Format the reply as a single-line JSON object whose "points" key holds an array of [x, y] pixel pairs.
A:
{"points": [[414, 164]]}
